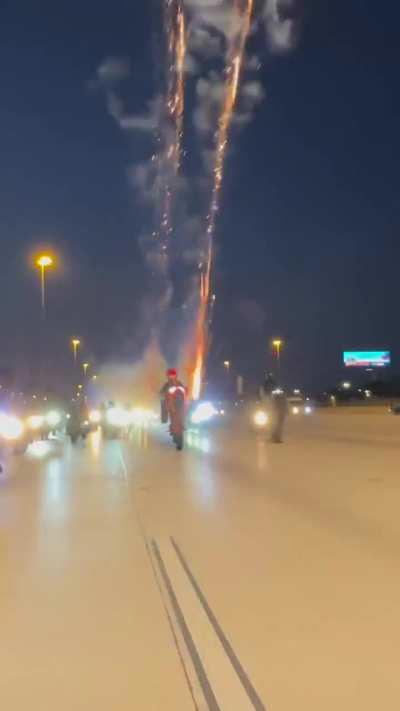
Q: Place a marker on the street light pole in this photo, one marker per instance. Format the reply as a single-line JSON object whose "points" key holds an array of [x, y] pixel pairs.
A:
{"points": [[42, 281], [277, 345]]}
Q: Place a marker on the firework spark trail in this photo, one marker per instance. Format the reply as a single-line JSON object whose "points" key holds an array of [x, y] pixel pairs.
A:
{"points": [[170, 159], [235, 59]]}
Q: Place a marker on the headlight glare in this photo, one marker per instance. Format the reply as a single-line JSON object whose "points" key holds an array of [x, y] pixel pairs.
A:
{"points": [[260, 418], [11, 427]]}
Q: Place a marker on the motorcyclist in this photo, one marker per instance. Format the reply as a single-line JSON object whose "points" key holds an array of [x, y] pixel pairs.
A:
{"points": [[79, 414], [173, 400], [269, 385], [169, 392], [279, 409]]}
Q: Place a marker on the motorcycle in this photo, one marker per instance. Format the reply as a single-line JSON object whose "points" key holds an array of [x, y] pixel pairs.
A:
{"points": [[78, 427]]}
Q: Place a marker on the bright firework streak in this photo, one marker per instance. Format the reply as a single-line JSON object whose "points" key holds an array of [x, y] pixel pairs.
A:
{"points": [[235, 59], [175, 103]]}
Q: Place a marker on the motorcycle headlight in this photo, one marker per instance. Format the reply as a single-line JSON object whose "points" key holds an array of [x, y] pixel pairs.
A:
{"points": [[11, 427], [95, 417], [308, 409], [260, 418], [203, 412], [35, 422], [295, 410], [53, 418]]}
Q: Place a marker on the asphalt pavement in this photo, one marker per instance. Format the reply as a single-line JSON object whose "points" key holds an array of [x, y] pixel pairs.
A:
{"points": [[236, 575]]}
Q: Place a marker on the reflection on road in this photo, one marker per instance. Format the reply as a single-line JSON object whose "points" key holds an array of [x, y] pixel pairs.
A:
{"points": [[295, 548]]}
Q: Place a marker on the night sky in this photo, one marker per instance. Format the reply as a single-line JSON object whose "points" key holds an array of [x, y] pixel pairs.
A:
{"points": [[308, 237]]}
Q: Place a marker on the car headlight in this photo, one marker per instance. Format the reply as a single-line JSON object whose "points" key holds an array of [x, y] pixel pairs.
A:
{"points": [[203, 412], [53, 418], [260, 418], [95, 417], [11, 427], [35, 422], [308, 409]]}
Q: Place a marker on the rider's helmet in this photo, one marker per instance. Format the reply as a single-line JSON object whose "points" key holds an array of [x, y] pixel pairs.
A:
{"points": [[171, 373]]}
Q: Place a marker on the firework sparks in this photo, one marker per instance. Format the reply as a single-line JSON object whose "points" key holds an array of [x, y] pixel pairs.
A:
{"points": [[170, 158], [236, 54]]}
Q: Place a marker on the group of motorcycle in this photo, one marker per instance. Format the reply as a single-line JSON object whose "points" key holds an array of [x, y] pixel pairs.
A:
{"points": [[116, 421], [113, 420], [24, 427]]}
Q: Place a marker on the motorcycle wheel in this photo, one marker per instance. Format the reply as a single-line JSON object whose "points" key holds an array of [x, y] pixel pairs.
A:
{"points": [[179, 442]]}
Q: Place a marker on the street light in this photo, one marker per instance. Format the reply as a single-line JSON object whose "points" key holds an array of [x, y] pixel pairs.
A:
{"points": [[227, 364], [43, 262], [85, 366], [277, 344], [75, 345]]}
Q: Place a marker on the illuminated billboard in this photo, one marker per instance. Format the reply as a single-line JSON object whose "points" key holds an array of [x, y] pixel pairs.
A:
{"points": [[366, 359]]}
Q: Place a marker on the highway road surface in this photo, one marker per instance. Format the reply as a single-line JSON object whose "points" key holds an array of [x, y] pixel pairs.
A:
{"points": [[234, 576]]}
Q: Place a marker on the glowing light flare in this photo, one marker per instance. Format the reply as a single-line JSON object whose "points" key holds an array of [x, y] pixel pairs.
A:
{"points": [[11, 427], [204, 412], [39, 449], [197, 376], [118, 417], [142, 417], [95, 417], [44, 261], [35, 422], [260, 418], [53, 418]]}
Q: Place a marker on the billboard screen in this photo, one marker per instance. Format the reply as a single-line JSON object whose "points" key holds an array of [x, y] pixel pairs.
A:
{"points": [[366, 359]]}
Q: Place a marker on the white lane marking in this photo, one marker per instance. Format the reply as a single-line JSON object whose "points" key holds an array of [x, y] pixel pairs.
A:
{"points": [[224, 681], [199, 685], [199, 703], [229, 651]]}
